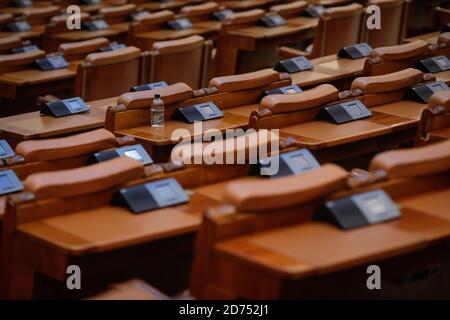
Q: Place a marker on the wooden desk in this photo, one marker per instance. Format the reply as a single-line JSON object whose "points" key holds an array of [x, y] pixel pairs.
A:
{"points": [[233, 118], [109, 228], [241, 5], [33, 34], [33, 126], [330, 69], [34, 82], [291, 261], [390, 125], [256, 38]]}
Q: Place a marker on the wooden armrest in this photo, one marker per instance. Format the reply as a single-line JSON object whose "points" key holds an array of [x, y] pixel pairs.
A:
{"points": [[286, 191], [414, 162], [318, 96], [67, 147], [84, 180], [388, 82], [142, 99], [400, 52], [245, 81]]}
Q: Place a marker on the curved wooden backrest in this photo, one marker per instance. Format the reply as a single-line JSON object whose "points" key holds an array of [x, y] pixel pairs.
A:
{"points": [[243, 18], [184, 60], [143, 99], [201, 11], [393, 20], [84, 180], [277, 111], [8, 43], [19, 61], [349, 18], [401, 51], [282, 103], [388, 82], [6, 18], [285, 191], [245, 81], [66, 147], [414, 162], [152, 21], [40, 15], [435, 117], [108, 74], [290, 9], [117, 14], [79, 49]]}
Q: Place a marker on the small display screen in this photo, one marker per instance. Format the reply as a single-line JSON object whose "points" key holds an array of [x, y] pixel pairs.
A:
{"points": [[75, 105], [208, 110], [442, 62], [166, 192], [5, 182], [57, 62], [100, 24], [300, 161], [2, 151], [134, 154], [439, 87], [355, 109], [23, 25], [375, 205], [364, 49], [291, 90], [301, 63], [185, 23]]}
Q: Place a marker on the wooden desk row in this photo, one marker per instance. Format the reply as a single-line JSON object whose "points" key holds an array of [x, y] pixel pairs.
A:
{"points": [[85, 232]]}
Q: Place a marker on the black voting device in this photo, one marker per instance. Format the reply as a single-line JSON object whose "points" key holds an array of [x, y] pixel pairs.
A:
{"points": [[180, 24], [95, 25], [25, 49], [221, 15], [344, 112], [52, 63], [284, 90], [9, 182], [112, 47], [18, 26], [358, 210], [149, 86], [293, 65], [136, 152], [273, 20], [65, 107], [424, 92], [5, 150], [434, 64], [22, 3], [290, 163], [356, 51], [199, 112], [151, 196], [313, 11]]}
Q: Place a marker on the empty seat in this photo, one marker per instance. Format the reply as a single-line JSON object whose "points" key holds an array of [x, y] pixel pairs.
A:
{"points": [[108, 74], [326, 41], [201, 11], [185, 60], [117, 14], [40, 15], [393, 23], [289, 10], [78, 50], [435, 121]]}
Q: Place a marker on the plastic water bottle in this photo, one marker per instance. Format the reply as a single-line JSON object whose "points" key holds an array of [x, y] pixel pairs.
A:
{"points": [[157, 111]]}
